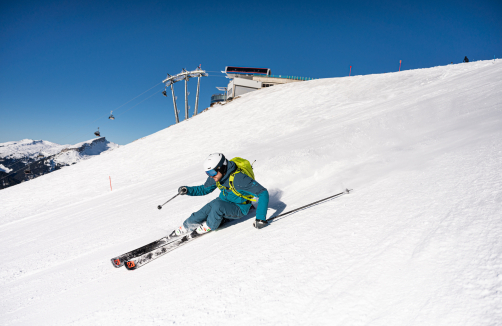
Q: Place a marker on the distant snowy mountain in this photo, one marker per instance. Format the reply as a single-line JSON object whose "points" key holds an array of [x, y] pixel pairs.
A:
{"points": [[27, 159], [29, 148]]}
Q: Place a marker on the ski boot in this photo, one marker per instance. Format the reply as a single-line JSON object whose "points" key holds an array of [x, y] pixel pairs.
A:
{"points": [[203, 228], [179, 232]]}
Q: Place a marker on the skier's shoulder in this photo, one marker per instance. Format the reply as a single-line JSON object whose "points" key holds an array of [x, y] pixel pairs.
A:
{"points": [[242, 178], [245, 182], [209, 183]]}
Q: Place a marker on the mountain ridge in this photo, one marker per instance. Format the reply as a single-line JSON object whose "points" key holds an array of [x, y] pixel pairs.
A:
{"points": [[27, 159]]}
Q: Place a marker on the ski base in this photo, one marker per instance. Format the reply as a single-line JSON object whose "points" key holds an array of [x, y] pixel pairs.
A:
{"points": [[119, 261], [144, 259]]}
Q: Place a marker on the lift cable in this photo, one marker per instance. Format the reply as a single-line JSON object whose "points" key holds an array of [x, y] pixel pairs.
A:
{"points": [[138, 96], [140, 102]]}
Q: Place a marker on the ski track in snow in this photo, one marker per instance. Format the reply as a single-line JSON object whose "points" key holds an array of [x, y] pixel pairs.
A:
{"points": [[418, 241]]}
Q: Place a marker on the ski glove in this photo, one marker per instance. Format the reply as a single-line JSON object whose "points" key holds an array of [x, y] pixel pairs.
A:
{"points": [[182, 190], [259, 224]]}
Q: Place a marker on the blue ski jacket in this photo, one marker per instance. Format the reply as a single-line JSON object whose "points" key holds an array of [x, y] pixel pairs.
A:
{"points": [[243, 184]]}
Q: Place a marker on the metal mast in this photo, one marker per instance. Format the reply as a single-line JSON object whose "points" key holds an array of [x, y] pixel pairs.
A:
{"points": [[185, 75], [175, 107], [197, 97], [186, 96]]}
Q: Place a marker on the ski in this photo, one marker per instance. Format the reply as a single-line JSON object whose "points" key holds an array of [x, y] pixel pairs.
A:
{"points": [[141, 260], [120, 260]]}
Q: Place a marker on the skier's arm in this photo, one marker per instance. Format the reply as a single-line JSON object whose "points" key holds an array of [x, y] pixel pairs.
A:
{"points": [[202, 190], [261, 210], [247, 186]]}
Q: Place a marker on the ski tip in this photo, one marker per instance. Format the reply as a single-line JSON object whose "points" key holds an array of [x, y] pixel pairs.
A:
{"points": [[117, 262], [130, 265]]}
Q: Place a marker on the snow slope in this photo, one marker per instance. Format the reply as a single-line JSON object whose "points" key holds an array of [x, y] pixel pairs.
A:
{"points": [[418, 242]]}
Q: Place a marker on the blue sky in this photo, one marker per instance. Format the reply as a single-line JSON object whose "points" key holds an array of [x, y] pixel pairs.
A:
{"points": [[64, 65]]}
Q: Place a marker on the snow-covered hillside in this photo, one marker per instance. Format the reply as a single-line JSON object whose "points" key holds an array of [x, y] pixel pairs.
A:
{"points": [[85, 150], [29, 148], [418, 242], [41, 157]]}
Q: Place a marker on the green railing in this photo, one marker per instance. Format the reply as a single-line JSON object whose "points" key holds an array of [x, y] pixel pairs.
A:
{"points": [[285, 77], [218, 97]]}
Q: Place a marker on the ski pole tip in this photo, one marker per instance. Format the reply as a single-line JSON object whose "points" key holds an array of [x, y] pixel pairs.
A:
{"points": [[347, 191], [159, 207]]}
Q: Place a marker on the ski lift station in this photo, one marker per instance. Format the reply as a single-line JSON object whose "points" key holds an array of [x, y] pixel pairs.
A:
{"points": [[245, 79], [242, 80]]}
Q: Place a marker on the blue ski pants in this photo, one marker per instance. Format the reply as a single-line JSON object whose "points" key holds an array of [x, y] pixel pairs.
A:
{"points": [[213, 212]]}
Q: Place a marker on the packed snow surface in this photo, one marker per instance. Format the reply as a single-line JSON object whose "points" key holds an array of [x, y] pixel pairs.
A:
{"points": [[418, 241]]}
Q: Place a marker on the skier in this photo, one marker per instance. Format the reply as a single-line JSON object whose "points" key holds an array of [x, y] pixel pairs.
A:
{"points": [[230, 204], [466, 59]]}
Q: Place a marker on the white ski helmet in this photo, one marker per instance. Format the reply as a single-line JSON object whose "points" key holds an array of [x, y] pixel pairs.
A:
{"points": [[214, 163]]}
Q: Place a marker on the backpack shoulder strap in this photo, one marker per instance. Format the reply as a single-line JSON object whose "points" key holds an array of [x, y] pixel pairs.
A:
{"points": [[232, 187], [231, 183]]}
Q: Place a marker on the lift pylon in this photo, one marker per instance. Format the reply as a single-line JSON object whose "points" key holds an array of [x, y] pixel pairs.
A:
{"points": [[185, 75]]}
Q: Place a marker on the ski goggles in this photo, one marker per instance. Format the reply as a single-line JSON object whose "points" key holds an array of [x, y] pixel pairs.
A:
{"points": [[212, 173]]}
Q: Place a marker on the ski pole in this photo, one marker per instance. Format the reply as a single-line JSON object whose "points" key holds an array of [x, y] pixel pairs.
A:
{"points": [[160, 206], [294, 210]]}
